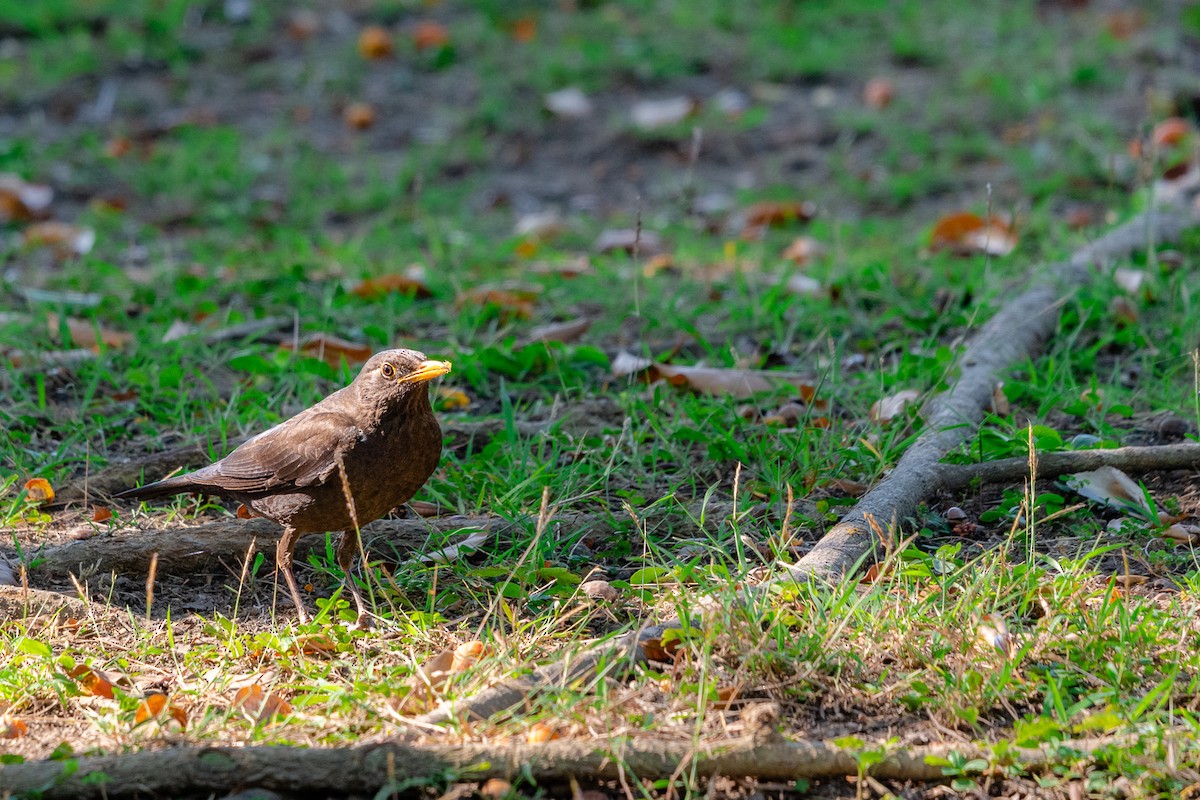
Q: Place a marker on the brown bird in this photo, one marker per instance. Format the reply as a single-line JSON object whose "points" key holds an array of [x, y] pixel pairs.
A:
{"points": [[378, 436]]}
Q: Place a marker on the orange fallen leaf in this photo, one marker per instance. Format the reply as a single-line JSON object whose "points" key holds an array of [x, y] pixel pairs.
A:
{"points": [[244, 512], [118, 146], [359, 116], [259, 705], [965, 233], [878, 93], [375, 43], [101, 514], [411, 282], [541, 732], [39, 490], [466, 654], [1170, 132], [331, 349], [156, 706], [525, 29], [12, 727], [777, 213], [63, 238], [429, 34], [92, 681]]}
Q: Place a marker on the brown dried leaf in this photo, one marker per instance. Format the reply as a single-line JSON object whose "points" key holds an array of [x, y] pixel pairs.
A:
{"points": [[628, 240], [777, 213], [568, 331], [541, 732], [803, 249], [358, 116], [1170, 132], [86, 334], [61, 237], [511, 303], [879, 93], [524, 29], [411, 282], [22, 201], [331, 349], [599, 590], [965, 233], [429, 34], [709, 380], [1111, 487], [466, 654], [375, 43], [101, 514]]}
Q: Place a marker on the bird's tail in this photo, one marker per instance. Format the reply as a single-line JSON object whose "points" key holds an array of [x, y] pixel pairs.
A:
{"points": [[180, 484]]}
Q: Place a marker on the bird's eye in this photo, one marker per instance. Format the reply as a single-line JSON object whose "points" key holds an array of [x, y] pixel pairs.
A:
{"points": [[388, 371]]}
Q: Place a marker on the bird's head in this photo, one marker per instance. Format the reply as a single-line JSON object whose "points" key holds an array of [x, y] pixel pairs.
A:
{"points": [[395, 379]]}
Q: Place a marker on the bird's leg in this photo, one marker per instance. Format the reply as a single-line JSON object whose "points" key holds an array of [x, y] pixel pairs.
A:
{"points": [[347, 547], [283, 563]]}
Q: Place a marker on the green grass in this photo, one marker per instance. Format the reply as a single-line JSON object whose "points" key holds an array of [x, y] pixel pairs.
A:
{"points": [[228, 222]]}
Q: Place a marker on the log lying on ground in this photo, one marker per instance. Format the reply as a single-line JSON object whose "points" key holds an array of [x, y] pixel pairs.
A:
{"points": [[1015, 333], [1136, 460], [365, 770]]}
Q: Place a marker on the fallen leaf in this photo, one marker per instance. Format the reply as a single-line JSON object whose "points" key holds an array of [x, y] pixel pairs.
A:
{"points": [[569, 103], [1130, 280], [244, 512], [1129, 581], [12, 727], [496, 789], [64, 239], [540, 225], [778, 213], [375, 43], [541, 732], [878, 93], [803, 285], [892, 406], [1170, 132], [965, 233], [359, 116], [708, 380], [447, 554], [653, 114], [574, 268], [331, 349], [629, 240], [1000, 405], [525, 29], [599, 590], [429, 34], [1181, 534], [39, 490], [510, 303], [848, 487], [803, 249], [410, 282], [568, 331], [466, 654], [871, 575], [1124, 23], [101, 514], [994, 633], [1123, 310], [87, 334], [92, 681], [156, 706], [118, 146], [659, 263], [1110, 487], [20, 200], [451, 399], [303, 24], [258, 705]]}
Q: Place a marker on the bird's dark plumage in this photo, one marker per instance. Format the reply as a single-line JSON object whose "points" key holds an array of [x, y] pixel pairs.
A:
{"points": [[380, 429]]}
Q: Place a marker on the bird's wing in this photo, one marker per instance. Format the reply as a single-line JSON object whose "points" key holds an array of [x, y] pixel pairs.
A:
{"points": [[300, 452]]}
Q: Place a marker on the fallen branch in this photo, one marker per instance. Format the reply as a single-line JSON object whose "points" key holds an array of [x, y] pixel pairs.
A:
{"points": [[1014, 334], [368, 769], [952, 477]]}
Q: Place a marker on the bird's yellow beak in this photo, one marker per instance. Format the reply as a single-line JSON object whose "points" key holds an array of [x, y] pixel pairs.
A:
{"points": [[426, 371]]}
